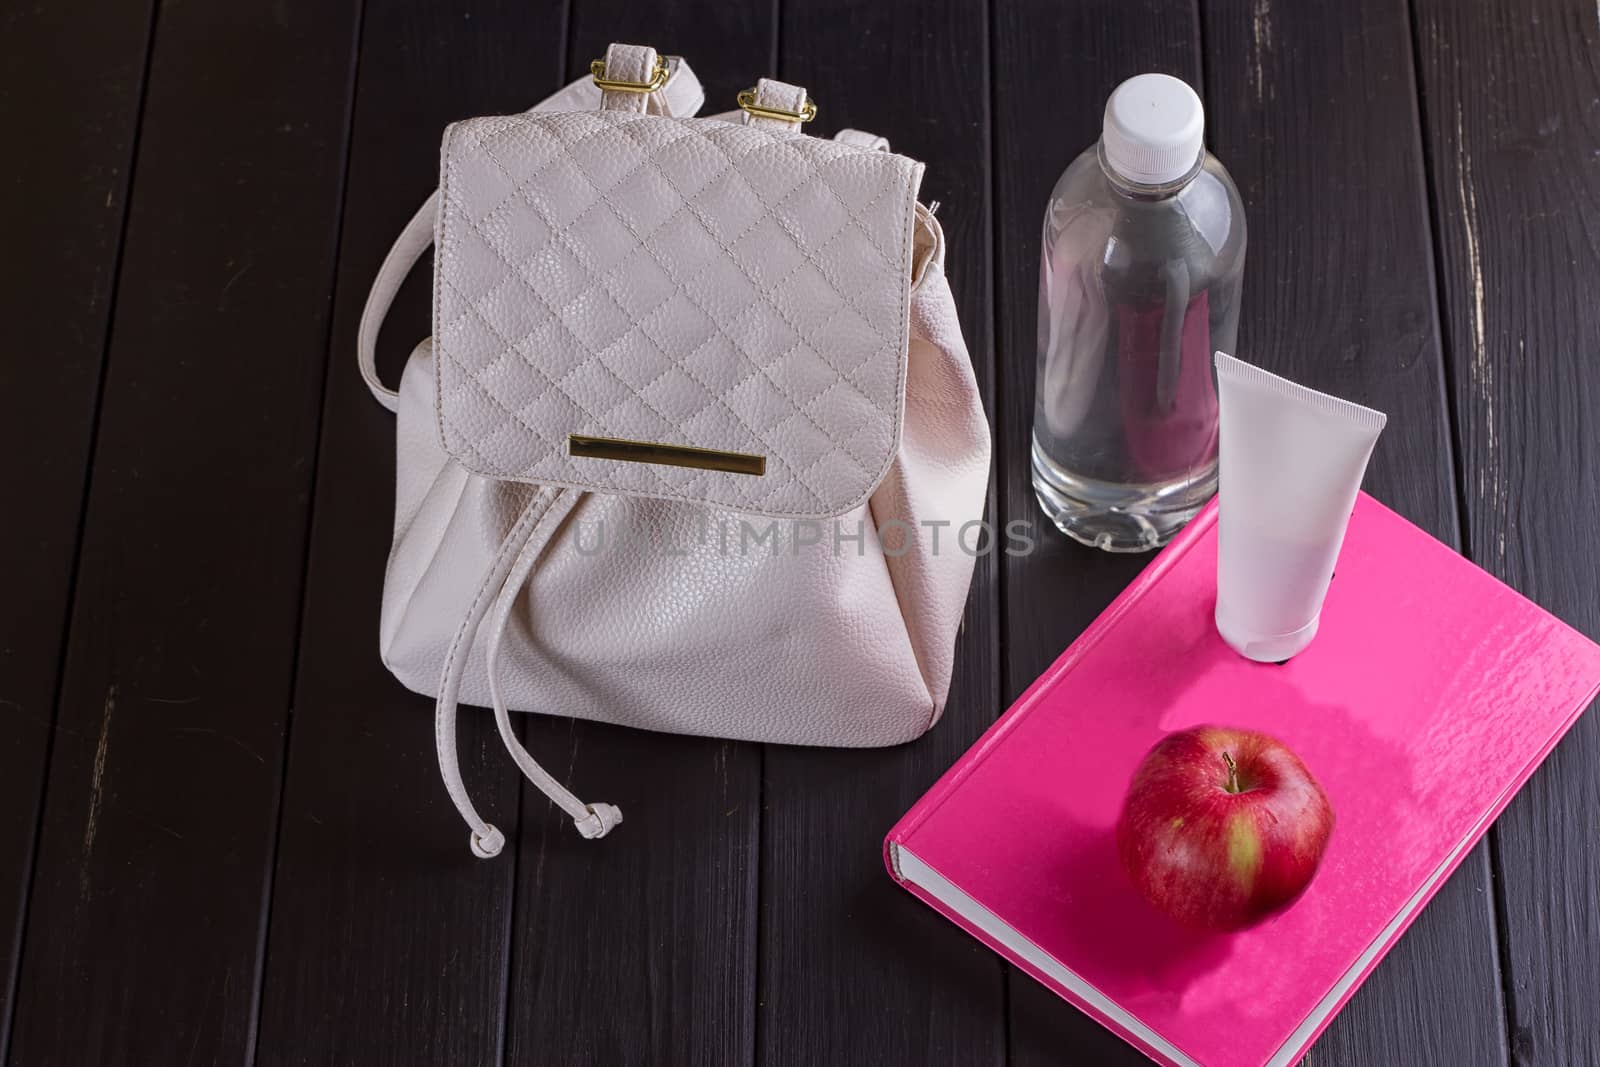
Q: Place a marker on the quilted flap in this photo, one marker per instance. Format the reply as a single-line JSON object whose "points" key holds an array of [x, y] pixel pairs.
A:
{"points": [[689, 309]]}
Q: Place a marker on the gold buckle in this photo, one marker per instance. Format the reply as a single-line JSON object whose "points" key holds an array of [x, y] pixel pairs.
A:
{"points": [[658, 78], [747, 103]]}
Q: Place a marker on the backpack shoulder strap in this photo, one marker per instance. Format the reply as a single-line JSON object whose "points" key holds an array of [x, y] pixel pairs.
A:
{"points": [[413, 241]]}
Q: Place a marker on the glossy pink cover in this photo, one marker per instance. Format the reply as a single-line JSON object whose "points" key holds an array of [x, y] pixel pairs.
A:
{"points": [[1430, 694]]}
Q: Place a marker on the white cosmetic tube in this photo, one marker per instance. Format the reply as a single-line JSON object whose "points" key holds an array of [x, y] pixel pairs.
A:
{"points": [[1291, 464]]}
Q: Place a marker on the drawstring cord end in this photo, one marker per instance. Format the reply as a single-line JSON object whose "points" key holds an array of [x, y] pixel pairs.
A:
{"points": [[599, 821], [487, 846]]}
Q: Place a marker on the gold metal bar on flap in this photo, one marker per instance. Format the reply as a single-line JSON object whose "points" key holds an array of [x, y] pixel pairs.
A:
{"points": [[706, 459]]}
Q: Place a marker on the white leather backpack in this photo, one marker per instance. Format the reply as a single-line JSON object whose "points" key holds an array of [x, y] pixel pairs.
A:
{"points": [[695, 445]]}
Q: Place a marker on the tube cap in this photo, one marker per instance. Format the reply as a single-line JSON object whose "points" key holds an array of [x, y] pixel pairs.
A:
{"points": [[1267, 648], [1154, 129]]}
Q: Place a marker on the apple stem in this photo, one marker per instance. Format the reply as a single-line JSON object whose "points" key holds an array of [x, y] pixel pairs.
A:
{"points": [[1233, 773]]}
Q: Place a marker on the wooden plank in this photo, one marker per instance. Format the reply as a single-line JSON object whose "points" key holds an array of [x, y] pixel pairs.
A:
{"points": [[387, 940], [853, 971], [56, 290], [1081, 51], [1313, 109], [142, 938], [1509, 91], [641, 948]]}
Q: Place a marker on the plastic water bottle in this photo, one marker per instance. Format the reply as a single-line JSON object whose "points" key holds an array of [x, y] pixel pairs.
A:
{"points": [[1143, 251]]}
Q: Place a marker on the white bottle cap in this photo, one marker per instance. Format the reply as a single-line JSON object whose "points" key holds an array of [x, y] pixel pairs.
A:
{"points": [[1154, 129]]}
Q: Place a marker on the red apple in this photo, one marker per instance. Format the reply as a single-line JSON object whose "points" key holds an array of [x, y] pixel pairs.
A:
{"points": [[1222, 827]]}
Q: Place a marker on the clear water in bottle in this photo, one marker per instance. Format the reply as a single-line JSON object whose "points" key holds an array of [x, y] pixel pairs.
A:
{"points": [[1143, 252]]}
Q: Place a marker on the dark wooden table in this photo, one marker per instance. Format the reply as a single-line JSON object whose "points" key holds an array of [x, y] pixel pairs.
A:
{"points": [[222, 835]]}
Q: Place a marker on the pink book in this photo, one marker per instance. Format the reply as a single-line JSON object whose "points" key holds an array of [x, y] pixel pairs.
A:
{"points": [[1430, 695]]}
